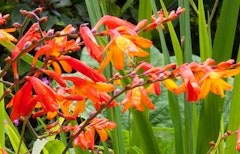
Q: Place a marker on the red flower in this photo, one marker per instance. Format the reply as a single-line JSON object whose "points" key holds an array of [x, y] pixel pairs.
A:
{"points": [[90, 42], [112, 22], [21, 102], [83, 68], [45, 94], [96, 92]]}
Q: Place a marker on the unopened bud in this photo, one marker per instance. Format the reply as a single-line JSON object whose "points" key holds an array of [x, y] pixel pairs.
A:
{"points": [[30, 15], [161, 76], [17, 25], [27, 44], [7, 59], [57, 34], [38, 10], [212, 143], [132, 74], [23, 12], [43, 20], [69, 117], [50, 32], [116, 76], [140, 81], [116, 92], [92, 114], [50, 126], [72, 30]]}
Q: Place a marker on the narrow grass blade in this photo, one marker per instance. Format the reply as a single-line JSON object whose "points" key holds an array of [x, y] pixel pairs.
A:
{"points": [[145, 12], [234, 121], [175, 42], [116, 134], [2, 110], [145, 133], [94, 11], [185, 31], [205, 50], [224, 37]]}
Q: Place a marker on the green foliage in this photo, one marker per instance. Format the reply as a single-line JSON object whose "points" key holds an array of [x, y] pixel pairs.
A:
{"points": [[175, 126]]}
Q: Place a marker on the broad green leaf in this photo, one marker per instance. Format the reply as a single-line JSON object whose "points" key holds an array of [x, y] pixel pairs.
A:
{"points": [[87, 59], [15, 140], [48, 146], [165, 139], [38, 145]]}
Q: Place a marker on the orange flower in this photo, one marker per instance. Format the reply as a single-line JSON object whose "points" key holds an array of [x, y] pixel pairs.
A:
{"points": [[31, 35], [4, 35], [86, 138], [121, 44], [136, 97], [112, 22], [81, 67], [96, 92], [3, 18], [90, 42], [56, 47], [4, 32], [200, 79]]}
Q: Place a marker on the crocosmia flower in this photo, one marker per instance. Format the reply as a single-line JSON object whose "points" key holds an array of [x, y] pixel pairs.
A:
{"points": [[32, 34], [136, 97], [86, 138], [95, 50], [121, 45]]}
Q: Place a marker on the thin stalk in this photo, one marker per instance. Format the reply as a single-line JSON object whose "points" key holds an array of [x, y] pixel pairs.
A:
{"points": [[22, 135], [31, 129]]}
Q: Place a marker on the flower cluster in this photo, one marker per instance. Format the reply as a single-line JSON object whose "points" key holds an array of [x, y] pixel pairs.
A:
{"points": [[68, 99]]}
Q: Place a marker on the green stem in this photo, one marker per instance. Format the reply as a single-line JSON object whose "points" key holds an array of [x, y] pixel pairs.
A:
{"points": [[22, 135]]}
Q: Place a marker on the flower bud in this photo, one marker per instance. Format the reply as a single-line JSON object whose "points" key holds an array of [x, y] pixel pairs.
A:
{"points": [[116, 92], [17, 25], [43, 20], [38, 10]]}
